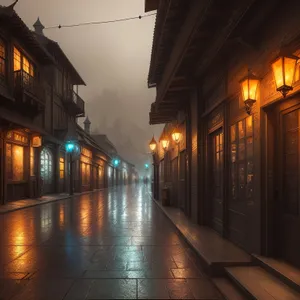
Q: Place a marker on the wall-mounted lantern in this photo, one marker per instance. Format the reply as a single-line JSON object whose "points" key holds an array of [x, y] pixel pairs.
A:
{"points": [[153, 145], [249, 86], [284, 67], [164, 142], [36, 141], [176, 135]]}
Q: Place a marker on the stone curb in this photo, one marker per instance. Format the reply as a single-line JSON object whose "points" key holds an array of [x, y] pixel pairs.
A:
{"points": [[48, 201]]}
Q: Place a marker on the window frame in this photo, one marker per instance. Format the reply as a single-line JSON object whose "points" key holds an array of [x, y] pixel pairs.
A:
{"points": [[31, 65]]}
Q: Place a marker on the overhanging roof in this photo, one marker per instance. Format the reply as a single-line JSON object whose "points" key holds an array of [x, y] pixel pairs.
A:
{"points": [[151, 5], [9, 19], [55, 49]]}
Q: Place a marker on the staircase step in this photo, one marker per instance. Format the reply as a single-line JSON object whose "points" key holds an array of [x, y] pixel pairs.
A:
{"points": [[228, 290], [259, 284], [284, 271]]}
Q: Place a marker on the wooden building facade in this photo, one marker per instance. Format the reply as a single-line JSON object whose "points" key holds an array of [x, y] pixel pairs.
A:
{"points": [[240, 167], [39, 109]]}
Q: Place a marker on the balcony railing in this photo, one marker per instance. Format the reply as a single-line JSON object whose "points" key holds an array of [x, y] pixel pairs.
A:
{"points": [[25, 83], [73, 97]]}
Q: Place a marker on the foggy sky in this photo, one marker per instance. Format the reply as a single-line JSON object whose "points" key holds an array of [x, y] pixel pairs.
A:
{"points": [[113, 59]]}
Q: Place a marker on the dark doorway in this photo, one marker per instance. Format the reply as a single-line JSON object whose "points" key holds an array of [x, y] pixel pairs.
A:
{"points": [[216, 186]]}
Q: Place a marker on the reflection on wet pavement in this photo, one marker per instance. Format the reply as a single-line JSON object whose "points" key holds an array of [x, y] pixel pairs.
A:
{"points": [[111, 244]]}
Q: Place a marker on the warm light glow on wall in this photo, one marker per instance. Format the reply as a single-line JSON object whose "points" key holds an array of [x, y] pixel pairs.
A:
{"points": [[284, 71], [176, 135], [32, 169], [18, 163]]}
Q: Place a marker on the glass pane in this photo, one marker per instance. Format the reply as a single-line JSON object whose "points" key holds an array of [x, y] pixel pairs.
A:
{"points": [[25, 64], [233, 153], [17, 60], [250, 147], [241, 129], [241, 150], [18, 163], [233, 133], [242, 174], [289, 69], [249, 124]]}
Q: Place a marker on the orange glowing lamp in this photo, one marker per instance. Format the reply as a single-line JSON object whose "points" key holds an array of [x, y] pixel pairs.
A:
{"points": [[250, 87], [284, 67]]}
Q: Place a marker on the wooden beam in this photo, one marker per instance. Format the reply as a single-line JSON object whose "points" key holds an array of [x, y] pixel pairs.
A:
{"points": [[212, 50], [195, 15]]}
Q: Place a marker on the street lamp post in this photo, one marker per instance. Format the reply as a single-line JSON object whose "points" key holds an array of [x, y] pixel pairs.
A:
{"points": [[71, 148], [153, 148]]}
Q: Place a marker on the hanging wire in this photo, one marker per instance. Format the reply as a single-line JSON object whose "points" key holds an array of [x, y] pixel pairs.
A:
{"points": [[100, 22]]}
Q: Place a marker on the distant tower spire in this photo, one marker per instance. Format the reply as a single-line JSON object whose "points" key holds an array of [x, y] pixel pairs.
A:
{"points": [[38, 27], [87, 125]]}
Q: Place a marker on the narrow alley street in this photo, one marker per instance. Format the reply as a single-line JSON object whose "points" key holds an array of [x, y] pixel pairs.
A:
{"points": [[112, 244]]}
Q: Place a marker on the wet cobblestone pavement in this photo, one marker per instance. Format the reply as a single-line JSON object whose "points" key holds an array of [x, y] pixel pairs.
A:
{"points": [[114, 244]]}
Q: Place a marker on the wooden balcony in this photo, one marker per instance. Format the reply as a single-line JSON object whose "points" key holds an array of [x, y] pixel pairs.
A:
{"points": [[75, 104], [28, 93]]}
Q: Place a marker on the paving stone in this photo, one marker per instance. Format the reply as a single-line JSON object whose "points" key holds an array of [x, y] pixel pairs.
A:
{"points": [[153, 289], [116, 244]]}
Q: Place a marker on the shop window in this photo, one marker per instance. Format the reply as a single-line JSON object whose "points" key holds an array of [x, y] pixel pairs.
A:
{"points": [[15, 162], [46, 166], [2, 59], [242, 159], [32, 168], [61, 168]]}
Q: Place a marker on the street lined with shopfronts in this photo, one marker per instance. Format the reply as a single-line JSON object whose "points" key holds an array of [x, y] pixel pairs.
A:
{"points": [[115, 243]]}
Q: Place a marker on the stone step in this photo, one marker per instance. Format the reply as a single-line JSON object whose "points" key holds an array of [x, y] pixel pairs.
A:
{"points": [[289, 274], [228, 290], [257, 283], [214, 251]]}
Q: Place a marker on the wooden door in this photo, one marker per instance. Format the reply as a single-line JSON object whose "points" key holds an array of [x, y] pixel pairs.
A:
{"points": [[241, 179], [217, 179], [289, 184]]}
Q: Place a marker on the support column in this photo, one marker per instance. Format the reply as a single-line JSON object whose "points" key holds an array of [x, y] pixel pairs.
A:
{"points": [[56, 168], [71, 175]]}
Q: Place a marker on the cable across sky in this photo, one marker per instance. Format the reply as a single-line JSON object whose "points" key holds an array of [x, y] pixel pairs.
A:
{"points": [[100, 22]]}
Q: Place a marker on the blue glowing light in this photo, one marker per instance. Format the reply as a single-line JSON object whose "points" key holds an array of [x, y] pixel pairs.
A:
{"points": [[146, 166], [70, 146], [116, 162]]}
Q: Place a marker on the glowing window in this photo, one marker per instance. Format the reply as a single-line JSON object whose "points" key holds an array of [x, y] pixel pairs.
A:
{"points": [[15, 162], [22, 62], [17, 60], [61, 168]]}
